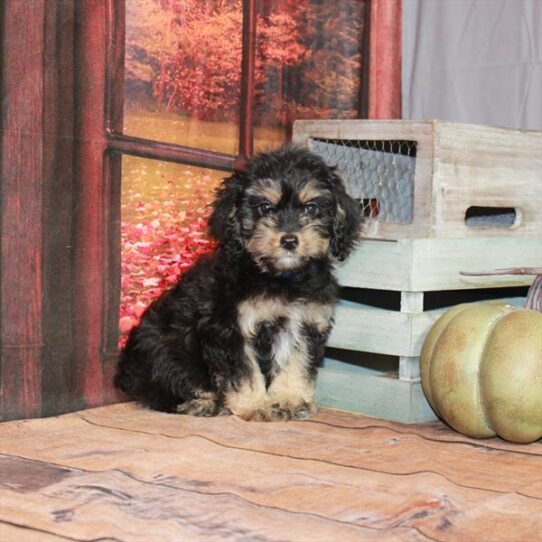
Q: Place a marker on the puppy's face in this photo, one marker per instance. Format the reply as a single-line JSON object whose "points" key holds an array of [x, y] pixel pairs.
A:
{"points": [[286, 209], [287, 221]]}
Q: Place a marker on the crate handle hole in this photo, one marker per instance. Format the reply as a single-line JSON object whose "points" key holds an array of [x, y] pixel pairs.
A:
{"points": [[478, 216]]}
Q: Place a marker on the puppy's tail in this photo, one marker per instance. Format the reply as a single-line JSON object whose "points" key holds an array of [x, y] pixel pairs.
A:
{"points": [[134, 377], [125, 380], [122, 380]]}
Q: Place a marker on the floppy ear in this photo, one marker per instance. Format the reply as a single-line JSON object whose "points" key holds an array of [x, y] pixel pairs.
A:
{"points": [[347, 221], [224, 224]]}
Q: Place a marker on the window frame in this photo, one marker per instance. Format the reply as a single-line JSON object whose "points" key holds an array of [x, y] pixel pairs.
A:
{"points": [[100, 46], [116, 143]]}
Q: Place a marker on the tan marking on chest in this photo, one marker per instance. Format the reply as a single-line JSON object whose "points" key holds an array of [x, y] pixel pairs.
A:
{"points": [[289, 340], [260, 309]]}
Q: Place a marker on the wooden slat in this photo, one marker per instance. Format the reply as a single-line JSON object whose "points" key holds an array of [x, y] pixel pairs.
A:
{"points": [[421, 265], [434, 431], [371, 392], [112, 175], [409, 365], [248, 79], [365, 328], [120, 505], [132, 474], [437, 263], [9, 531], [370, 329], [169, 152], [382, 265]]}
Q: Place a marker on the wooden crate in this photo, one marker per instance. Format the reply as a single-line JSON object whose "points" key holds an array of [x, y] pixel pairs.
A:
{"points": [[438, 198], [412, 268], [434, 179]]}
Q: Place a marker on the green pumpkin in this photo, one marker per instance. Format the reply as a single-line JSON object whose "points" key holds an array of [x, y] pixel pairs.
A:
{"points": [[481, 371]]}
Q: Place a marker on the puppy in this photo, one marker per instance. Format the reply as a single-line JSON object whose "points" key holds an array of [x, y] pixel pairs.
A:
{"points": [[244, 330]]}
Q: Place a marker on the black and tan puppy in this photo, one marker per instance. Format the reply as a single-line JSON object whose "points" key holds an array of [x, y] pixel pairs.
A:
{"points": [[244, 330]]}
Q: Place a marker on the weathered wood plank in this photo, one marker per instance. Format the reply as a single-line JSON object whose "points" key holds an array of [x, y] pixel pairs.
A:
{"points": [[422, 265], [372, 393], [58, 369], [120, 505], [436, 264], [409, 365], [409, 369], [432, 431], [16, 533], [127, 473], [308, 439], [365, 328], [90, 267], [382, 265], [369, 329]]}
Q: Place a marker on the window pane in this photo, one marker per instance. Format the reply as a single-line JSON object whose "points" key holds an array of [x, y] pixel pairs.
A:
{"points": [[164, 210], [310, 57], [183, 70]]}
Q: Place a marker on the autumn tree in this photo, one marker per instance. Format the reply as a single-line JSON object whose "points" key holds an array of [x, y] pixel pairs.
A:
{"points": [[186, 54], [190, 52]]}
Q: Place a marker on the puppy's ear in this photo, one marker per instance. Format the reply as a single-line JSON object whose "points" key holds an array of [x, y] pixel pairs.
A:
{"points": [[347, 221], [224, 224]]}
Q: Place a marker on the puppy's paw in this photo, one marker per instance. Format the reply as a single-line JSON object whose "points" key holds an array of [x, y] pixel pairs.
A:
{"points": [[249, 402], [205, 404], [257, 415], [300, 411]]}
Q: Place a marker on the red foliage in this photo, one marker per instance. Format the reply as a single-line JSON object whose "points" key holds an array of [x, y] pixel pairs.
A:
{"points": [[185, 55], [156, 251], [201, 75]]}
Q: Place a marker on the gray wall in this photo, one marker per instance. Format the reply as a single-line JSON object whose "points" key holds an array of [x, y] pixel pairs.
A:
{"points": [[476, 61]]}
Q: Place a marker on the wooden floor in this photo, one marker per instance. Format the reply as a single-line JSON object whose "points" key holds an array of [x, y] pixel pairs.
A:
{"points": [[121, 473]]}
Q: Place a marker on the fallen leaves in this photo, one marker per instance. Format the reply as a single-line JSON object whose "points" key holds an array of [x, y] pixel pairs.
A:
{"points": [[161, 237]]}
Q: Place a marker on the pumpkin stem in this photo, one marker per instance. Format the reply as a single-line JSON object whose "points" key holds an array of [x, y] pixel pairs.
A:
{"points": [[534, 295]]}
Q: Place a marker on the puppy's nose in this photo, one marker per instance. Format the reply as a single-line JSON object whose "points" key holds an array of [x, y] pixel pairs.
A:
{"points": [[289, 241]]}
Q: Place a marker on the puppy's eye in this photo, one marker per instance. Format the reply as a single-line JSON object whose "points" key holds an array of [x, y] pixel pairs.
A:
{"points": [[311, 208], [266, 208]]}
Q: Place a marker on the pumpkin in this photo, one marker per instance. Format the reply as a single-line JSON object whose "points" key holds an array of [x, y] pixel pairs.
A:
{"points": [[481, 369]]}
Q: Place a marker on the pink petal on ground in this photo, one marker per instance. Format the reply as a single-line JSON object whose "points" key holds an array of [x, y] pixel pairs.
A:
{"points": [[151, 282]]}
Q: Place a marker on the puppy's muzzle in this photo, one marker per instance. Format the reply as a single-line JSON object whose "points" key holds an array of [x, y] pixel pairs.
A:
{"points": [[289, 241]]}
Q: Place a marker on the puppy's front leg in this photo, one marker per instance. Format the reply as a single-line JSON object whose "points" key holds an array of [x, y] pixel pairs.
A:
{"points": [[292, 390], [248, 398], [237, 378]]}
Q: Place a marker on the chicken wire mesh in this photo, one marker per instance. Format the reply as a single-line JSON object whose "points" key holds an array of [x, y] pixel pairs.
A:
{"points": [[377, 173]]}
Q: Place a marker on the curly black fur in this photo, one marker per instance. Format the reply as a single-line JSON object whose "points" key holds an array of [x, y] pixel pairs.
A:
{"points": [[244, 330]]}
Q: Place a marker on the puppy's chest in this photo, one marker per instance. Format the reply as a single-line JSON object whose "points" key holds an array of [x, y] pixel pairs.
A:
{"points": [[277, 330]]}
